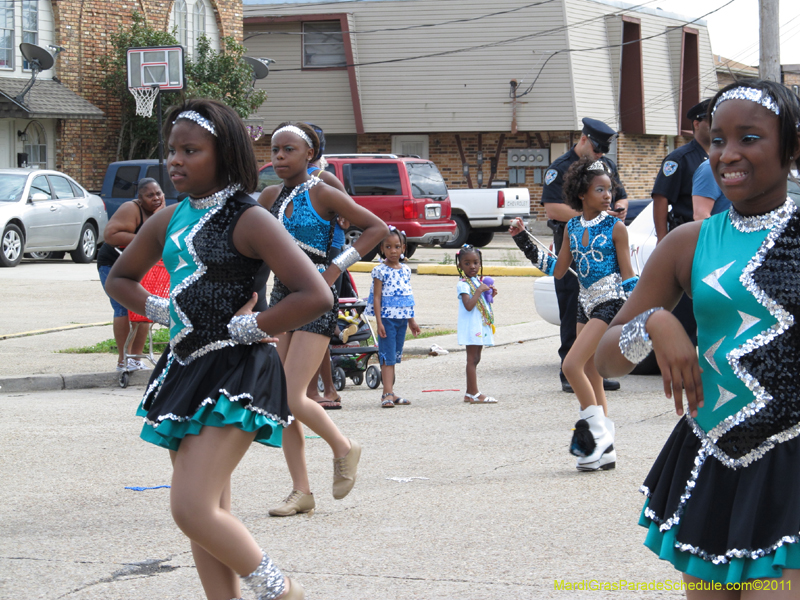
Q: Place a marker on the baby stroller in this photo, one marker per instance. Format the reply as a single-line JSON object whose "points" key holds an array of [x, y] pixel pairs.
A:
{"points": [[351, 350], [155, 281]]}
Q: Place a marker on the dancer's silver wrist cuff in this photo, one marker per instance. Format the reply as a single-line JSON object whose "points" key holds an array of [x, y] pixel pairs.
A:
{"points": [[347, 259], [244, 329], [156, 309], [634, 343]]}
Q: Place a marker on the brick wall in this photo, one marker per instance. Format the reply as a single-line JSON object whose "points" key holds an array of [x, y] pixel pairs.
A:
{"points": [[84, 28]]}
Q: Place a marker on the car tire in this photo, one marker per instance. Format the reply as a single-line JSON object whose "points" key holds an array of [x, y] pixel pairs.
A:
{"points": [[45, 255], [411, 247], [11, 248], [87, 245], [350, 237], [480, 238], [461, 233]]}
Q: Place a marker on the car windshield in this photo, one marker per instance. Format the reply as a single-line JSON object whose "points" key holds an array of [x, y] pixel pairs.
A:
{"points": [[11, 187], [426, 181]]}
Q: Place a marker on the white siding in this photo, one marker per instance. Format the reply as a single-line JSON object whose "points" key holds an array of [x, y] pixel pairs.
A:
{"points": [[45, 37], [614, 36], [661, 93], [320, 96]]}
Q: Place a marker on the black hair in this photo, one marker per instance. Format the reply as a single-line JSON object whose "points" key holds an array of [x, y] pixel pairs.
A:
{"points": [[236, 159], [321, 137], [788, 120], [144, 182], [305, 128], [400, 236], [579, 177], [468, 249]]}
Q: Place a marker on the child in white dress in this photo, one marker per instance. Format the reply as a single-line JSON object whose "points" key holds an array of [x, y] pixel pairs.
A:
{"points": [[475, 318]]}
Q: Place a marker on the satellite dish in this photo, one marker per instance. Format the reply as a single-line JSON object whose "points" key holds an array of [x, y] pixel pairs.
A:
{"points": [[260, 66], [39, 58]]}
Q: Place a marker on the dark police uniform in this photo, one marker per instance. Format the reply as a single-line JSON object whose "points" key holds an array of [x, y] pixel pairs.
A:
{"points": [[567, 287], [674, 181]]}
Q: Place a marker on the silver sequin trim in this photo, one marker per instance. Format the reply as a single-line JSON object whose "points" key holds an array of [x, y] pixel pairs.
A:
{"points": [[266, 582], [721, 559], [306, 185], [244, 329], [775, 218], [347, 259], [602, 290], [214, 199], [747, 93], [156, 309], [598, 219], [634, 343], [297, 131], [192, 115]]}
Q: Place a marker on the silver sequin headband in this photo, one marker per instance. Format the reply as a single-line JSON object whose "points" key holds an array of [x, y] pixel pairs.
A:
{"points": [[296, 131], [597, 165], [195, 116], [747, 93]]}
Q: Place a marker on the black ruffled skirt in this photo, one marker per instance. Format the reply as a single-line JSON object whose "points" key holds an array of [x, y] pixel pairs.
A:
{"points": [[242, 385], [723, 524]]}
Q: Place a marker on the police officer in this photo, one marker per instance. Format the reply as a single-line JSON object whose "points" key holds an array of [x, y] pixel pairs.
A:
{"points": [[595, 141], [674, 181]]}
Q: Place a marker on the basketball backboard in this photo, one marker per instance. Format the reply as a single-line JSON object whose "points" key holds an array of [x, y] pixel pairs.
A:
{"points": [[160, 66]]}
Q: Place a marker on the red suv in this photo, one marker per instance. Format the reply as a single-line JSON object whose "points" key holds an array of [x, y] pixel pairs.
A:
{"points": [[405, 191]]}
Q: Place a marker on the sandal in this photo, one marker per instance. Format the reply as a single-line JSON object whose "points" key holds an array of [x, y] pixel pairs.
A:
{"points": [[330, 404], [476, 399], [387, 402], [401, 401]]}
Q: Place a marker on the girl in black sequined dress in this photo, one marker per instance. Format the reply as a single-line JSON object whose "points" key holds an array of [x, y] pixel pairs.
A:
{"points": [[218, 387]]}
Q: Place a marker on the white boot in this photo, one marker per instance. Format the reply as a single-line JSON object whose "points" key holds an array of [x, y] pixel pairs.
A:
{"points": [[609, 458], [604, 441]]}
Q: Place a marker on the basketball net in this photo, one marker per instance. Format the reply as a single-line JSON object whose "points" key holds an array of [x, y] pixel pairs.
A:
{"points": [[145, 99]]}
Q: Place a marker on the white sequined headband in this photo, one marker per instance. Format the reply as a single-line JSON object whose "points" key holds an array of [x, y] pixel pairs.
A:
{"points": [[296, 131], [747, 93], [195, 116], [597, 165]]}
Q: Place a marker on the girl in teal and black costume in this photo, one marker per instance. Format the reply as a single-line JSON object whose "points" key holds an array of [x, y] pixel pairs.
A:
{"points": [[723, 498], [218, 386]]}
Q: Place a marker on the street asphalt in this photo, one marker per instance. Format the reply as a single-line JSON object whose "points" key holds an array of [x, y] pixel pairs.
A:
{"points": [[453, 501]]}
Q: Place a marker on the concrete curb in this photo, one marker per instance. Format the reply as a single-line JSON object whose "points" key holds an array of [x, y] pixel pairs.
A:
{"points": [[498, 271], [47, 383]]}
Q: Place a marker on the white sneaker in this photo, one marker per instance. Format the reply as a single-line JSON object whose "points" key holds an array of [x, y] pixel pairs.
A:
{"points": [[121, 367], [135, 365]]}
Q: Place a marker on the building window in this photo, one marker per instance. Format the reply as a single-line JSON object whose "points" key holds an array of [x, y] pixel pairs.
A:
{"points": [[6, 34], [30, 25], [199, 21], [35, 145], [416, 145], [323, 45], [181, 27]]}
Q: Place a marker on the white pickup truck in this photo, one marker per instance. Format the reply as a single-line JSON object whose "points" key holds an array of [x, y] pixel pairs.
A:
{"points": [[479, 213]]}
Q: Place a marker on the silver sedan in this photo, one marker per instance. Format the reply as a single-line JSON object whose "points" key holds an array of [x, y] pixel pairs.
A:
{"points": [[44, 211]]}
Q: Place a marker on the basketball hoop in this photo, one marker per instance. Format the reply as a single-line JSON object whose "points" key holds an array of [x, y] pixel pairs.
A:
{"points": [[145, 99]]}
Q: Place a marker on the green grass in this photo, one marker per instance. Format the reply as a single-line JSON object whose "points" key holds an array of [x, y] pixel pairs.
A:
{"points": [[160, 338], [447, 260], [429, 333]]}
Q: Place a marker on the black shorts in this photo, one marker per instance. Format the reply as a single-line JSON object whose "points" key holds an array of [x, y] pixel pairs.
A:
{"points": [[324, 325], [605, 311]]}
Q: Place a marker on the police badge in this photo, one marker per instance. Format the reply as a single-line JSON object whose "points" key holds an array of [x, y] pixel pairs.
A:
{"points": [[670, 167], [550, 176]]}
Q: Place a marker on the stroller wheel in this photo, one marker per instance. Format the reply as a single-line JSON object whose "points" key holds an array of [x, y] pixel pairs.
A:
{"points": [[373, 377], [357, 379], [338, 378], [320, 385]]}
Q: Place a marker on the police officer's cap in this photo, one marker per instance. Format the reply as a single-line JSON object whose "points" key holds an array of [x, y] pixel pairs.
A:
{"points": [[599, 134], [699, 111]]}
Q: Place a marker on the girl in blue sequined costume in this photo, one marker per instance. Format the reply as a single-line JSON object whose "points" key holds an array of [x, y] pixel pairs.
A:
{"points": [[723, 498], [596, 244], [307, 208], [218, 386]]}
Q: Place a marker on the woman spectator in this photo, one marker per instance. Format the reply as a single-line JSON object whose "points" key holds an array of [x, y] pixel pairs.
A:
{"points": [[120, 231]]}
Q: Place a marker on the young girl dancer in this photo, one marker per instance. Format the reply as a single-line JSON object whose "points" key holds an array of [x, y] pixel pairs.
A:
{"points": [[391, 302], [475, 317], [217, 388], [723, 498], [307, 208], [598, 244]]}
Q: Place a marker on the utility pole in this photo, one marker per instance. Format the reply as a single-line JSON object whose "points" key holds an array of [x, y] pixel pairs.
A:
{"points": [[769, 62]]}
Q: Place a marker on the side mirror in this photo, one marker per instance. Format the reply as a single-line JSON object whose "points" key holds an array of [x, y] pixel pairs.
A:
{"points": [[39, 197]]}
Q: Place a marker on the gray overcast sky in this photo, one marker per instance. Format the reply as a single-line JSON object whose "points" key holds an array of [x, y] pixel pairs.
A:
{"points": [[734, 29]]}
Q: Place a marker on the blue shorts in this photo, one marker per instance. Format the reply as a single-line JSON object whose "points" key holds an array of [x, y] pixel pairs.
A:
{"points": [[119, 310], [390, 348]]}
